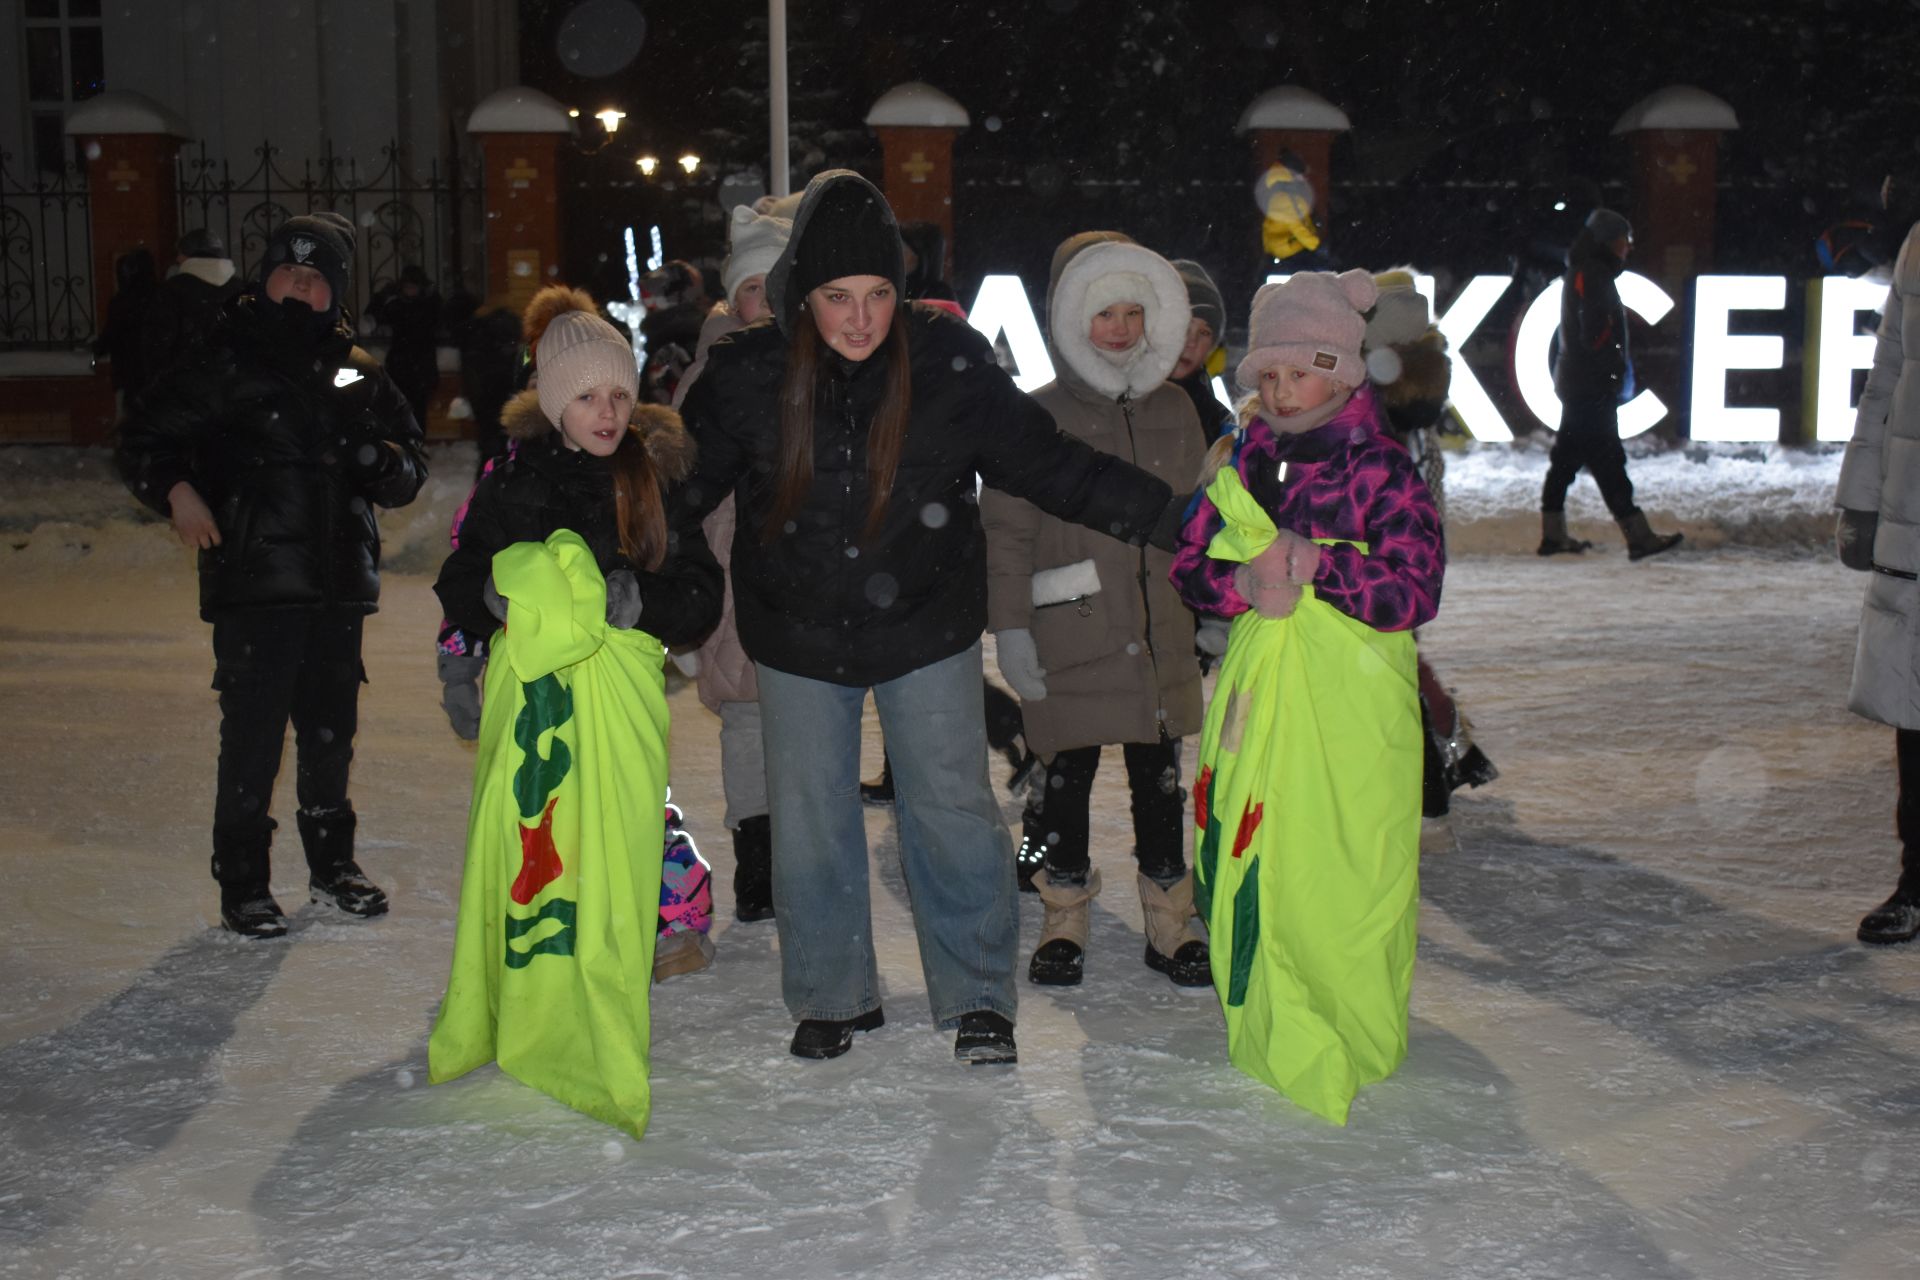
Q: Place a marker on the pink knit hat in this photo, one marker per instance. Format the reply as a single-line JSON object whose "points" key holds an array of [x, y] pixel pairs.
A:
{"points": [[1312, 321]]}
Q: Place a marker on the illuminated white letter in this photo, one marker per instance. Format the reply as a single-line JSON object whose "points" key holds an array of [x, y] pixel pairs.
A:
{"points": [[1715, 351], [1834, 350], [1001, 306], [1535, 374]]}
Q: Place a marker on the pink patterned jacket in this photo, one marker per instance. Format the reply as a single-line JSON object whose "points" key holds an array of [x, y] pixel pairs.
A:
{"points": [[1346, 479]]}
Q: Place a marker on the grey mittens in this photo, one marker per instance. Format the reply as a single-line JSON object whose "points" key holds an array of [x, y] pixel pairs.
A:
{"points": [[460, 692], [623, 599], [1020, 663]]}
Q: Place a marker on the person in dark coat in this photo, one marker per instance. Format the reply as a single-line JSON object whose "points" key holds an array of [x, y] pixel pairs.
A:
{"points": [[269, 454], [490, 362], [850, 433], [188, 304], [1593, 378], [119, 340], [410, 309], [926, 246]]}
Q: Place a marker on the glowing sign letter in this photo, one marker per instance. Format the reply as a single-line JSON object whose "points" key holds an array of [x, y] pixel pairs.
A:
{"points": [[1531, 368], [1470, 307], [1834, 350], [1001, 306], [1715, 351]]}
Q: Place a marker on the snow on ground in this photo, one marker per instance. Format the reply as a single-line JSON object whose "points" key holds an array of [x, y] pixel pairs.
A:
{"points": [[1644, 1041]]}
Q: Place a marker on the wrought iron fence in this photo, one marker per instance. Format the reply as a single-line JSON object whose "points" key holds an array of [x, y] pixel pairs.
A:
{"points": [[400, 218], [46, 259]]}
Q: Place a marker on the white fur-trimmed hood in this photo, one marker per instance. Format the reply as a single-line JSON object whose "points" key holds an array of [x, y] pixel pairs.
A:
{"points": [[1080, 293]]}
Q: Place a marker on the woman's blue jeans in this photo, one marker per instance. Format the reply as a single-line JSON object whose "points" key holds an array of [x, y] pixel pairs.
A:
{"points": [[954, 848]]}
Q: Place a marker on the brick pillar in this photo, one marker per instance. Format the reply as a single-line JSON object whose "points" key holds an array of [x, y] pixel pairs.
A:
{"points": [[1673, 203], [132, 203], [521, 183], [918, 177]]}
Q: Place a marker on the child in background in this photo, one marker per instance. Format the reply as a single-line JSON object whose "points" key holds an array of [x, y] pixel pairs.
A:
{"points": [[1318, 537], [725, 675]]}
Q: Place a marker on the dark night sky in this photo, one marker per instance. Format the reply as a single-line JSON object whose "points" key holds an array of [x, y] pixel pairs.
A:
{"points": [[1469, 117]]}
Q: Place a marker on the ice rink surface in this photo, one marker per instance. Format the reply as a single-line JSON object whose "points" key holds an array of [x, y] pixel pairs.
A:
{"points": [[1645, 1043]]}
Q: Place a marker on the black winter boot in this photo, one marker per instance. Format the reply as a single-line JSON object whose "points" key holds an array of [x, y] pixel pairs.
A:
{"points": [[985, 1039], [1895, 920], [753, 869], [334, 878], [1642, 541], [821, 1038], [251, 912]]}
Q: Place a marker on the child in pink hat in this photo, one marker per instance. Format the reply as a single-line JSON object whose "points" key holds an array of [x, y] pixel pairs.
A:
{"points": [[1319, 654]]}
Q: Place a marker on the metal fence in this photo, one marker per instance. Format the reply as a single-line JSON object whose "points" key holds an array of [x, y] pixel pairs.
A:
{"points": [[46, 259], [400, 218]]}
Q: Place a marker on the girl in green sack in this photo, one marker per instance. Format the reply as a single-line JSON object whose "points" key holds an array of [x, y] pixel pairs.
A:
{"points": [[1317, 537]]}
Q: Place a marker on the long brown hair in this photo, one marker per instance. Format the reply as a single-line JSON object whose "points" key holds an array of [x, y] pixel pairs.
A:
{"points": [[886, 435], [639, 508]]}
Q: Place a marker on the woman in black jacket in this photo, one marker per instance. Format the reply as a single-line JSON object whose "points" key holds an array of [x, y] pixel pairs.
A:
{"points": [[269, 454], [851, 433]]}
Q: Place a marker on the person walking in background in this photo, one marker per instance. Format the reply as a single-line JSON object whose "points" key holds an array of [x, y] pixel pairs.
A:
{"points": [[410, 311], [1593, 378], [134, 290], [1878, 532], [850, 433], [269, 453], [1203, 354], [1090, 632], [188, 303]]}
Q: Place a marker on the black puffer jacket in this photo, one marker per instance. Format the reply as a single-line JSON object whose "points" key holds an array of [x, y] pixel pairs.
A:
{"points": [[291, 441], [1594, 363], [546, 486], [822, 602]]}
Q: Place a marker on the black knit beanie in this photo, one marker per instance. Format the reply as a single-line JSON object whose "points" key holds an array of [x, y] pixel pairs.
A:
{"points": [[844, 227], [323, 241]]}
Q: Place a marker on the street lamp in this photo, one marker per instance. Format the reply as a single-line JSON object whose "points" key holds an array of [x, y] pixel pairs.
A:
{"points": [[611, 118], [689, 162], [648, 165]]}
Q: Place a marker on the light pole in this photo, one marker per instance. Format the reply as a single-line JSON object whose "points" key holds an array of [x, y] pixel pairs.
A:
{"points": [[779, 182]]}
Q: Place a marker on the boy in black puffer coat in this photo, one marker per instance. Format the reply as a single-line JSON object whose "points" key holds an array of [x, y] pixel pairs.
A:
{"points": [[269, 454]]}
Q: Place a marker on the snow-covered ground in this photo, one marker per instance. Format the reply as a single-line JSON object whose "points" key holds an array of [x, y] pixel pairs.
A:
{"points": [[1644, 1042]]}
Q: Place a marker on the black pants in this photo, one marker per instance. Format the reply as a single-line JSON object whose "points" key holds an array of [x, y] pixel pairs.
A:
{"points": [[1906, 813], [1589, 437], [271, 667], [1059, 817]]}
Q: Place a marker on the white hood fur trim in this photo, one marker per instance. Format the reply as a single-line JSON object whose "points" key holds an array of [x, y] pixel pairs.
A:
{"points": [[1073, 306], [1069, 582], [215, 271]]}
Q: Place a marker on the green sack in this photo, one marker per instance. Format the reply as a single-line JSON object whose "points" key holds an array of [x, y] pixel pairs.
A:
{"points": [[1307, 836], [553, 954]]}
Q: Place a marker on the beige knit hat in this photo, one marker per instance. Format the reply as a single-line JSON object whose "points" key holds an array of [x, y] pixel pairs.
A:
{"points": [[1315, 320], [754, 242], [580, 351]]}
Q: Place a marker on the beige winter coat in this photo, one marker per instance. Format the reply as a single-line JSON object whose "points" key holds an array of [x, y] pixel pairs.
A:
{"points": [[1881, 474], [726, 672], [1111, 633]]}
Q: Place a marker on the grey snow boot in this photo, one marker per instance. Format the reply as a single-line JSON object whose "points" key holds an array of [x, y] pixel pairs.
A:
{"points": [[1642, 541], [1061, 955], [1554, 538]]}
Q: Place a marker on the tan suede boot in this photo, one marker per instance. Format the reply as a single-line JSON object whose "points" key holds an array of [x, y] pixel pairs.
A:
{"points": [[1060, 957], [1176, 944]]}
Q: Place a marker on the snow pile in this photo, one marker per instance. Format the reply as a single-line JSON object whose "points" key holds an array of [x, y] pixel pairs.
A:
{"points": [[1720, 495]]}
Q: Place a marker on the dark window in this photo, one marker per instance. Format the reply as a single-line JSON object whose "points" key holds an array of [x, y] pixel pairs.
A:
{"points": [[46, 8], [83, 8], [89, 62], [50, 151], [46, 67]]}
